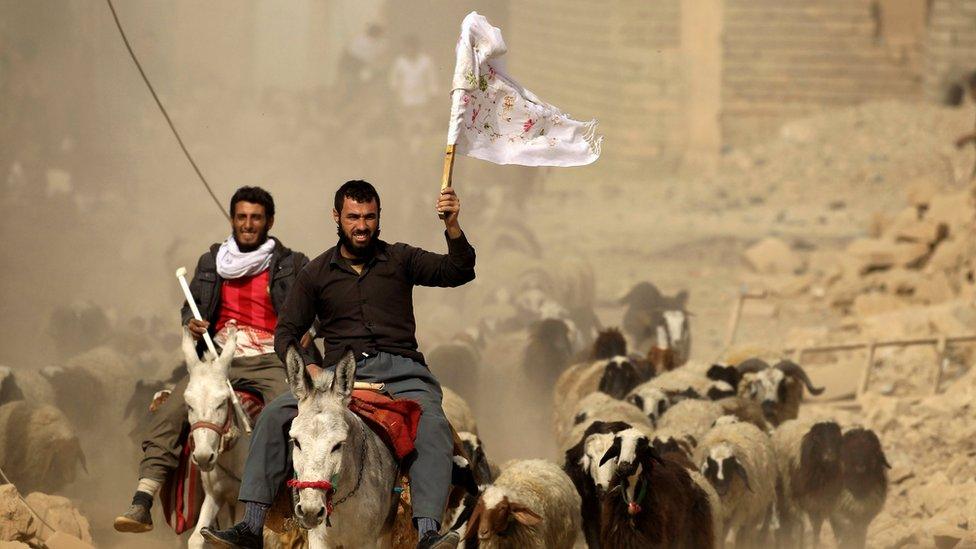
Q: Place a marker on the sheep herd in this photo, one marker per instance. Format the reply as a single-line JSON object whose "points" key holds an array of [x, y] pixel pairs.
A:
{"points": [[663, 452]]}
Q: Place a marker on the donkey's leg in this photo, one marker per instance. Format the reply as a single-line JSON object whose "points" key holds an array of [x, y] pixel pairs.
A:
{"points": [[208, 511]]}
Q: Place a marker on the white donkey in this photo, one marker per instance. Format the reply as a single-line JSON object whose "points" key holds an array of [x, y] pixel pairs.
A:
{"points": [[218, 450], [337, 454]]}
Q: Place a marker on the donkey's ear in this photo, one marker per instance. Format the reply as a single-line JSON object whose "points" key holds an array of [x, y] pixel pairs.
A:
{"points": [[295, 373], [345, 376], [230, 346], [189, 349]]}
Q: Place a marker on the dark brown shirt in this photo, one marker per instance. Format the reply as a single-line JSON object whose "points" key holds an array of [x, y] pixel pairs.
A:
{"points": [[370, 312]]}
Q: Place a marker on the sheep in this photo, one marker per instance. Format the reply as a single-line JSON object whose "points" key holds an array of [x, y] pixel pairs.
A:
{"points": [[474, 449], [532, 504], [23, 384], [651, 400], [40, 451], [608, 344], [577, 382], [691, 417], [591, 479], [864, 470], [622, 375], [456, 365], [776, 388], [810, 481], [659, 504], [739, 461], [548, 352], [599, 407], [458, 412]]}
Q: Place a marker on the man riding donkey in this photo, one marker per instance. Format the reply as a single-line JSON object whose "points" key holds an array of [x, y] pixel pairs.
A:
{"points": [[242, 281], [361, 292]]}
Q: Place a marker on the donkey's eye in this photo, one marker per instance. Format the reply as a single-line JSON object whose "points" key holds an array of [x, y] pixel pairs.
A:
{"points": [[221, 405], [297, 445], [337, 447]]}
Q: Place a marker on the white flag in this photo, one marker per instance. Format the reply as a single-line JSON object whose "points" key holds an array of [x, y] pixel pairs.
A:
{"points": [[495, 119]]}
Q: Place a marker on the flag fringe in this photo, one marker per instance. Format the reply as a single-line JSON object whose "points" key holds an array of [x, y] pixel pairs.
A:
{"points": [[589, 135]]}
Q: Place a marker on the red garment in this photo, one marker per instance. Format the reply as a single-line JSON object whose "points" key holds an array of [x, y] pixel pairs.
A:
{"points": [[396, 421], [247, 301]]}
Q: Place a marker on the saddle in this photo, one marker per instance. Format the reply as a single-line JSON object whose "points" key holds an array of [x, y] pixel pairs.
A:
{"points": [[181, 493]]}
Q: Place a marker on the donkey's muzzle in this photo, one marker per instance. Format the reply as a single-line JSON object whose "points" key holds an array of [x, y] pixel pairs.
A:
{"points": [[205, 460], [309, 515]]}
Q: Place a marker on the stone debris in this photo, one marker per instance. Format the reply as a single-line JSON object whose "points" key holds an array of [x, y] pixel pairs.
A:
{"points": [[18, 524]]}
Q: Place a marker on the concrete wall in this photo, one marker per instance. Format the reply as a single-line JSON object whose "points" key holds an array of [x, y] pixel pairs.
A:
{"points": [[950, 48], [787, 58], [616, 60]]}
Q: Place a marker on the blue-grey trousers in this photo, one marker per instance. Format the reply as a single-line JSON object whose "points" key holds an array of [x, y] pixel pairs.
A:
{"points": [[269, 461]]}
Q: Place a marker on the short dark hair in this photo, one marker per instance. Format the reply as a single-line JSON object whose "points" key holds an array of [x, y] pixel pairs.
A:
{"points": [[255, 195], [358, 190]]}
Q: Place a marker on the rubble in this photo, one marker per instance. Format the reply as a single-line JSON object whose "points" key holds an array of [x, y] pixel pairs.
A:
{"points": [[772, 256], [18, 524]]}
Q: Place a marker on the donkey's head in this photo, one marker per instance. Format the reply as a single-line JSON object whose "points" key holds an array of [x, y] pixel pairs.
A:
{"points": [[207, 398], [319, 433]]}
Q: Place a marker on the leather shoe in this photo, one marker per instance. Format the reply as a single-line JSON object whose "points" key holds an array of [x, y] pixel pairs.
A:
{"points": [[237, 536]]}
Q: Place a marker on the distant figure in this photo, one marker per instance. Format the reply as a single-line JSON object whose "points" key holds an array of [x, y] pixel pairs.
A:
{"points": [[360, 62], [970, 137], [414, 84]]}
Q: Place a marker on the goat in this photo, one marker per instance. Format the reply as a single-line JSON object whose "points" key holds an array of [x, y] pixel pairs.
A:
{"points": [[864, 470], [739, 461], [810, 481], [582, 465], [653, 501], [532, 504], [776, 388]]}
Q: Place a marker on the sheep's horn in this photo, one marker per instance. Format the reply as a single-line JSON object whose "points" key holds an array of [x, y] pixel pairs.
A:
{"points": [[795, 370], [752, 366]]}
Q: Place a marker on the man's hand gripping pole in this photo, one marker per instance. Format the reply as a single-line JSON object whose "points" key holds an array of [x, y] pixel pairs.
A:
{"points": [[181, 276]]}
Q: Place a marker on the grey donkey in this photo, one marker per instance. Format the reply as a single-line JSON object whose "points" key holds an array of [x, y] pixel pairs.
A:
{"points": [[345, 474]]}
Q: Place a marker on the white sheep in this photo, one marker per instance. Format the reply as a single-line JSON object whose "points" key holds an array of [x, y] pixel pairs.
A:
{"points": [[600, 407], [808, 460], [691, 417], [739, 461], [457, 412], [532, 504], [652, 400]]}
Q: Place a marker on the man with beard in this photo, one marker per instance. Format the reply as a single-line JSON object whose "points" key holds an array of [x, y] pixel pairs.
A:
{"points": [[362, 293], [244, 281]]}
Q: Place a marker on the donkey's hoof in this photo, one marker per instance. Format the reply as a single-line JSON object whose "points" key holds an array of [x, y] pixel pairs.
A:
{"points": [[136, 520]]}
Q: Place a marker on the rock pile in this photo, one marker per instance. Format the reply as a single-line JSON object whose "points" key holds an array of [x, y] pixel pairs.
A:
{"points": [[18, 524]]}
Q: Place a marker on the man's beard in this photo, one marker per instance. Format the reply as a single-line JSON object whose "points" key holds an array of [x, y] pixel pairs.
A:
{"points": [[360, 252], [251, 247]]}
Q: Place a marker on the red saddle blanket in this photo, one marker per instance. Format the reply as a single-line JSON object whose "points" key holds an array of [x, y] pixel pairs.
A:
{"points": [[182, 494], [394, 420]]}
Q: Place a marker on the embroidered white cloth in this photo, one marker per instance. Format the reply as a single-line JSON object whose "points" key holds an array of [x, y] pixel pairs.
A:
{"points": [[495, 119], [251, 341], [233, 263]]}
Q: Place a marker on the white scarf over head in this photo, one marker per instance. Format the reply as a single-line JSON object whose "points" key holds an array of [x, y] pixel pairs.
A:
{"points": [[233, 263]]}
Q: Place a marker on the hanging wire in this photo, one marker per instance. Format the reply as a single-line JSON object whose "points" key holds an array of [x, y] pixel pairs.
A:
{"points": [[165, 114]]}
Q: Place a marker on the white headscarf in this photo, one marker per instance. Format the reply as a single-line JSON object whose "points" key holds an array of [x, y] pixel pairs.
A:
{"points": [[233, 263]]}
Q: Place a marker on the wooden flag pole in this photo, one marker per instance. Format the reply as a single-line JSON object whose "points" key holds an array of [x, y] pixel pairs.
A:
{"points": [[448, 172]]}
